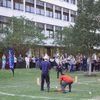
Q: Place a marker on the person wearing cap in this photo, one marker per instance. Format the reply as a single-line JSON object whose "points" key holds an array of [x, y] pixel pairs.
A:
{"points": [[45, 67], [67, 81]]}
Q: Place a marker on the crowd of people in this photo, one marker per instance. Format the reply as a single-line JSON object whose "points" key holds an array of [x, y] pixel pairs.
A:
{"points": [[65, 62], [60, 62]]}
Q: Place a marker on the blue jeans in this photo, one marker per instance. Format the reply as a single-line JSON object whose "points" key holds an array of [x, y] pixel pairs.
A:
{"points": [[72, 68], [82, 67], [59, 70], [3, 64], [45, 76], [64, 85], [20, 65], [64, 67]]}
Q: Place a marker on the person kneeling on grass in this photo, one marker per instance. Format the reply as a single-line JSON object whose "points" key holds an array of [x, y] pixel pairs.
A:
{"points": [[67, 81]]}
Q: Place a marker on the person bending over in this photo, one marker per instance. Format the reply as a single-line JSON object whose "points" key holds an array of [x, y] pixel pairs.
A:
{"points": [[67, 81]]}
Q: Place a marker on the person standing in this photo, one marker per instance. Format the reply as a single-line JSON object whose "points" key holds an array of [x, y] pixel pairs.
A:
{"points": [[37, 61], [72, 62], [97, 65], [59, 67], [52, 62], [30, 61], [66, 63], [33, 61], [27, 62], [67, 81], [3, 61], [20, 61], [63, 63], [45, 68], [15, 61], [85, 63]]}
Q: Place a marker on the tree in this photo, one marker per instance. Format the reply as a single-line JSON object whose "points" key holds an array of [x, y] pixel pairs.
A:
{"points": [[21, 34], [86, 31], [85, 34], [63, 38]]}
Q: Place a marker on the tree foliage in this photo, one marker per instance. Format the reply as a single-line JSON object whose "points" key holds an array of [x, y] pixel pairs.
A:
{"points": [[85, 34], [20, 34], [86, 29]]}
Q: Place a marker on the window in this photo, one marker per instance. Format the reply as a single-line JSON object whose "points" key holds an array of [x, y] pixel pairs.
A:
{"points": [[9, 4], [39, 8], [32, 9], [73, 1], [57, 15], [49, 6], [40, 25], [57, 12], [50, 34], [65, 10], [58, 28], [49, 31], [66, 0], [5, 3], [72, 19], [49, 10], [49, 27], [3, 19], [40, 11], [57, 8], [29, 7], [21, 7], [49, 13], [30, 1], [39, 3], [73, 12], [66, 17], [18, 5]]}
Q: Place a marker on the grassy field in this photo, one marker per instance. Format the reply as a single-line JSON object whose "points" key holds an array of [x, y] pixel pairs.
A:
{"points": [[23, 86]]}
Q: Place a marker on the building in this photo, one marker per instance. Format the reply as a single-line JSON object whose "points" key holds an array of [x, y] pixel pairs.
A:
{"points": [[51, 15]]}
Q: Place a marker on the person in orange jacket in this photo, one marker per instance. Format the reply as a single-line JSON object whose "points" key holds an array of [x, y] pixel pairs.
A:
{"points": [[67, 81]]}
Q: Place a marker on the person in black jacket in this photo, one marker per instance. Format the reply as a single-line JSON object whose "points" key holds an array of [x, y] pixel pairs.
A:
{"points": [[85, 63]]}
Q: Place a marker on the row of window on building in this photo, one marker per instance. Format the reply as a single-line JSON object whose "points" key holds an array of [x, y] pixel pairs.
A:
{"points": [[49, 28], [29, 7]]}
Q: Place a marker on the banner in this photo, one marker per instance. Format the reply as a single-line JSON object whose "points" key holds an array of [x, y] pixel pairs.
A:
{"points": [[11, 58]]}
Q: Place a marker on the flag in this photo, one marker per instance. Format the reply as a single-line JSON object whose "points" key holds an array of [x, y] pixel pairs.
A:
{"points": [[11, 59]]}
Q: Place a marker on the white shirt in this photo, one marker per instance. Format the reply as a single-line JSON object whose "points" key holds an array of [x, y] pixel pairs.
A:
{"points": [[15, 60], [51, 60], [72, 61], [26, 59], [33, 59]]}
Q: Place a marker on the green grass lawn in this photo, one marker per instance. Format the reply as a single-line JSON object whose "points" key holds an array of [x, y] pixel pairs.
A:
{"points": [[23, 86]]}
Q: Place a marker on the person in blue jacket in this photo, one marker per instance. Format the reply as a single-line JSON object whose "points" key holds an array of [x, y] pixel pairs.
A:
{"points": [[45, 67]]}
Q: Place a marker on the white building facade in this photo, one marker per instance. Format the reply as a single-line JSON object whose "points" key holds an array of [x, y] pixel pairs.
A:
{"points": [[51, 15]]}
